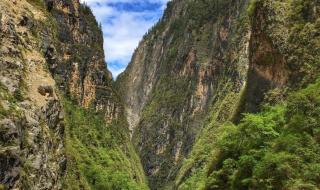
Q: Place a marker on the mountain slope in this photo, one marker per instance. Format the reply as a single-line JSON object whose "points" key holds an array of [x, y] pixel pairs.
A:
{"points": [[193, 58], [206, 63]]}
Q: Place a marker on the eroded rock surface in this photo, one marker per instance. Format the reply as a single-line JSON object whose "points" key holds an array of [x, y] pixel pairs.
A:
{"points": [[48, 49]]}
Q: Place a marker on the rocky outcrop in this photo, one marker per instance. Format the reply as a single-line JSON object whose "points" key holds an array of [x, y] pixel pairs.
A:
{"points": [[268, 68], [32, 154], [76, 58], [280, 31]]}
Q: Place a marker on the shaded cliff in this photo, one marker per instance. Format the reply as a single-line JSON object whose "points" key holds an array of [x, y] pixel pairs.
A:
{"points": [[283, 51], [267, 149]]}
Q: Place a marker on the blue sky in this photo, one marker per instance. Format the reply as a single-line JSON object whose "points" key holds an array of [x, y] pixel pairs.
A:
{"points": [[124, 22]]}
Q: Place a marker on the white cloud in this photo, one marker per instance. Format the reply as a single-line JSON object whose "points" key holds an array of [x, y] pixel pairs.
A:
{"points": [[123, 28]]}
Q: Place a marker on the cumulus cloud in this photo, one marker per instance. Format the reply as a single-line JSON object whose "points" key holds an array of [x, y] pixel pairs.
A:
{"points": [[124, 22]]}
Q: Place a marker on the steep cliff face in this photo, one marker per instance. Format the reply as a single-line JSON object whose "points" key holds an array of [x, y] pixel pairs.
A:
{"points": [[77, 58], [279, 54], [254, 153], [188, 63], [31, 119], [60, 118], [214, 60]]}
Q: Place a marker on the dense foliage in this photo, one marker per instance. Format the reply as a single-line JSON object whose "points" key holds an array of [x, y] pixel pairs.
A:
{"points": [[99, 156], [278, 148]]}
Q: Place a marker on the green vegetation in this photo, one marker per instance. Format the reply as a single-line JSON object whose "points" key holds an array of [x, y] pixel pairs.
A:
{"points": [[304, 40], [2, 187], [99, 156], [252, 7], [275, 149], [8, 102], [206, 10]]}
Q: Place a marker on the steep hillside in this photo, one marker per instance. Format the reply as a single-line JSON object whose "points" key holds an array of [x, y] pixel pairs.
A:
{"points": [[206, 63], [277, 148], [283, 48], [195, 58], [62, 125]]}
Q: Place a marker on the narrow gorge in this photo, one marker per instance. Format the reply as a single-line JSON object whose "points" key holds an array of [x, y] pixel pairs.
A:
{"points": [[219, 94]]}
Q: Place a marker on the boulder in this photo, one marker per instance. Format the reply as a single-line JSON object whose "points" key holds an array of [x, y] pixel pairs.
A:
{"points": [[46, 90]]}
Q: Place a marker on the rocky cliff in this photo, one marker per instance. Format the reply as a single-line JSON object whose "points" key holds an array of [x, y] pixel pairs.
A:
{"points": [[206, 63], [32, 129], [254, 151], [53, 69], [192, 60], [279, 31], [76, 57]]}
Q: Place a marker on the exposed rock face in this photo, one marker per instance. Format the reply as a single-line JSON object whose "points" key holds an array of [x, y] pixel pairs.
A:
{"points": [[77, 58], [268, 68], [283, 58], [31, 123], [184, 66], [219, 57], [46, 46]]}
